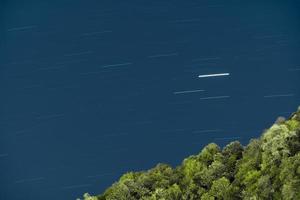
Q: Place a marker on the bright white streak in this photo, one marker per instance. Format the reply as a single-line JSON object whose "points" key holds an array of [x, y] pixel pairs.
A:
{"points": [[213, 75]]}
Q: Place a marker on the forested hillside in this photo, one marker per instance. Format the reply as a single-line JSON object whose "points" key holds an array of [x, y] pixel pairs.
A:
{"points": [[267, 168]]}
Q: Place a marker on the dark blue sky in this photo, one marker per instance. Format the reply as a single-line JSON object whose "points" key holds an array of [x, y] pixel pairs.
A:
{"points": [[92, 89]]}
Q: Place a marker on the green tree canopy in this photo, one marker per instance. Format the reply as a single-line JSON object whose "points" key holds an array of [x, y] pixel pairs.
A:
{"points": [[266, 168]]}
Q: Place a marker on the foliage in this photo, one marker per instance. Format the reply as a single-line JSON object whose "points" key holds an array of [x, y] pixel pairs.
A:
{"points": [[267, 168]]}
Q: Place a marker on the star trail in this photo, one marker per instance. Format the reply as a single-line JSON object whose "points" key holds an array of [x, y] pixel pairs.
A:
{"points": [[93, 89]]}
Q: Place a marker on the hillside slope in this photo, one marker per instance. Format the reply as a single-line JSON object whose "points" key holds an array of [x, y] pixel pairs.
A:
{"points": [[267, 168]]}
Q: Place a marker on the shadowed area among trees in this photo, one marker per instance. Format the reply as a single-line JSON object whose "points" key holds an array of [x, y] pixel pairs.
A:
{"points": [[267, 168]]}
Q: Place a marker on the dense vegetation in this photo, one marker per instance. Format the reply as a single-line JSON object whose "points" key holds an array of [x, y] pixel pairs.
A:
{"points": [[267, 168]]}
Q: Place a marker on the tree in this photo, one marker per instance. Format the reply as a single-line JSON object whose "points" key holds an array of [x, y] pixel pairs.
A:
{"points": [[267, 168], [221, 189]]}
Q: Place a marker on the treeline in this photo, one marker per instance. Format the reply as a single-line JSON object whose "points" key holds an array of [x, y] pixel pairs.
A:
{"points": [[267, 168]]}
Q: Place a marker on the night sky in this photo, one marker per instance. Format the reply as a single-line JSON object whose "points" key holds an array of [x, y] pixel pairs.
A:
{"points": [[93, 89]]}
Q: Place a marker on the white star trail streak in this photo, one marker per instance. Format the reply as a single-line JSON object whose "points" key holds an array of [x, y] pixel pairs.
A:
{"points": [[186, 20], [3, 155], [228, 138], [117, 65], [76, 186], [294, 69], [96, 33], [163, 55], [79, 53], [206, 59], [188, 91], [30, 180], [213, 75], [279, 95], [215, 97], [207, 131], [21, 28]]}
